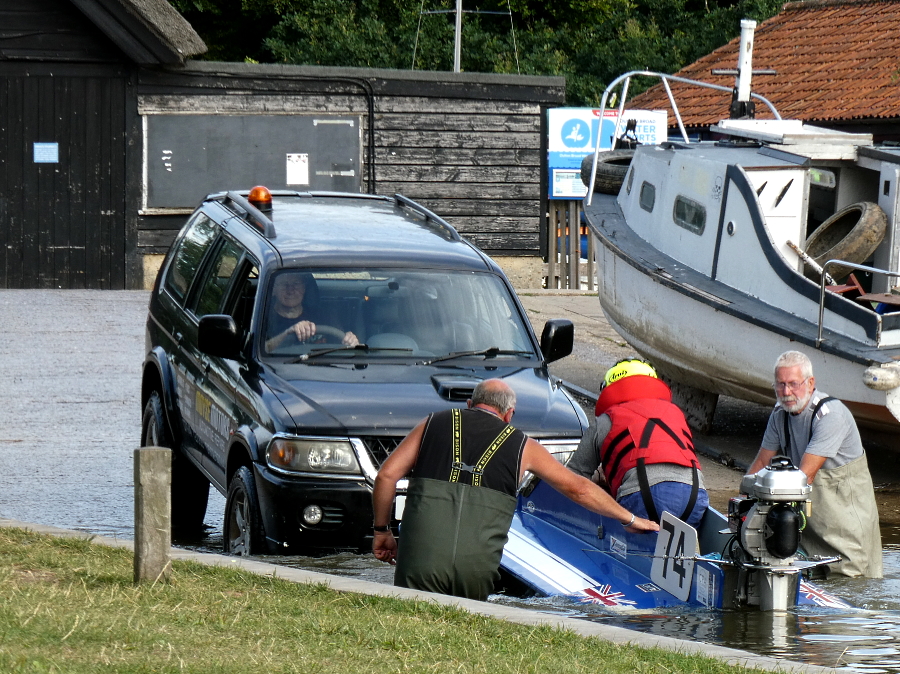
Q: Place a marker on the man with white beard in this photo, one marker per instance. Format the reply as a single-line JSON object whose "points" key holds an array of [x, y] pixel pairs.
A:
{"points": [[819, 435]]}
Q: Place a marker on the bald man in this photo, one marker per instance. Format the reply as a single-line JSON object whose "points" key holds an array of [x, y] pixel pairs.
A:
{"points": [[465, 467]]}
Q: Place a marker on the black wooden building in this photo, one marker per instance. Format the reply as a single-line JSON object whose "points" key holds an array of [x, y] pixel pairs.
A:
{"points": [[109, 135]]}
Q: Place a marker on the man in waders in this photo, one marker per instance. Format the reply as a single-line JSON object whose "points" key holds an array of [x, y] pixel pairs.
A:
{"points": [[820, 437], [641, 446], [465, 467]]}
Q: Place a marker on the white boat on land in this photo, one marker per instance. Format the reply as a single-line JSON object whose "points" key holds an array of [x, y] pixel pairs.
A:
{"points": [[711, 254]]}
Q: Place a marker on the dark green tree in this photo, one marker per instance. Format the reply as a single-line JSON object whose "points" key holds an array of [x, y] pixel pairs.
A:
{"points": [[590, 42]]}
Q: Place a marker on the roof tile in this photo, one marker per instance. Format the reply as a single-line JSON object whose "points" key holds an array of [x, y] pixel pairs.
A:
{"points": [[836, 59]]}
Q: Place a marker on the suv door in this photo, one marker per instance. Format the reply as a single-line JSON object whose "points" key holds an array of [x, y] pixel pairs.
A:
{"points": [[176, 327], [227, 286]]}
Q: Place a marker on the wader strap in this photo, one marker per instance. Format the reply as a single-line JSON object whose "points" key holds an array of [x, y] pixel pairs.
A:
{"points": [[456, 415], [787, 427], [816, 410], [478, 469], [489, 454], [695, 490], [646, 496]]}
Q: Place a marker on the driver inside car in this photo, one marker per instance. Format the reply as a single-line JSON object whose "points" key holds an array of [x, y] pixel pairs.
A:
{"points": [[295, 315]]}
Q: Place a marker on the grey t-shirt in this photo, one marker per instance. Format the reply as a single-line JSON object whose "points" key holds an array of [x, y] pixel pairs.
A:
{"points": [[834, 435]]}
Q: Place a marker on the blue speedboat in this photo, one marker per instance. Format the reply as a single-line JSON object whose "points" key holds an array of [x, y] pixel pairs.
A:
{"points": [[752, 557]]}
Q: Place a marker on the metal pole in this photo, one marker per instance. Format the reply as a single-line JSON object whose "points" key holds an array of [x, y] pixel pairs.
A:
{"points": [[457, 41], [745, 60]]}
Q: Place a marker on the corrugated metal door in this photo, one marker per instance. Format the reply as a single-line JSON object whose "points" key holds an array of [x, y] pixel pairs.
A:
{"points": [[62, 177]]}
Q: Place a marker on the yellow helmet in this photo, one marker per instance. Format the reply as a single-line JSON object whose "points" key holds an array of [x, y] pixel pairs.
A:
{"points": [[626, 368]]}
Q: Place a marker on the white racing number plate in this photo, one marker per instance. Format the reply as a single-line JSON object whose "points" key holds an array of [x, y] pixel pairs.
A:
{"points": [[399, 504], [673, 559]]}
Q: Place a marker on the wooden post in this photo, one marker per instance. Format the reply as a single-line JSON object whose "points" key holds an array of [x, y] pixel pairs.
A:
{"points": [[591, 260], [152, 513], [574, 276], [552, 233]]}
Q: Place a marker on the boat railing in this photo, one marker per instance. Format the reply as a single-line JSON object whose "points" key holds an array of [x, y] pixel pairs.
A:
{"points": [[625, 81], [823, 280]]}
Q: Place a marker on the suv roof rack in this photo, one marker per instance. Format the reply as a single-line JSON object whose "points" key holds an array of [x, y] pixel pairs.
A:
{"points": [[253, 215], [430, 218], [262, 222]]}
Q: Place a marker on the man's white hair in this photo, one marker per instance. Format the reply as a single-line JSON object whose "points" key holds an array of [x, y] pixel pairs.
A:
{"points": [[793, 359]]}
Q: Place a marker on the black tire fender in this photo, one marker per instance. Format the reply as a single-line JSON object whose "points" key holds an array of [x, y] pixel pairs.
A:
{"points": [[611, 169], [852, 234], [243, 532], [190, 487]]}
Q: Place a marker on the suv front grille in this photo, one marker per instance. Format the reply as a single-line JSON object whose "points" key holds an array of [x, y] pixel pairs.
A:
{"points": [[379, 447]]}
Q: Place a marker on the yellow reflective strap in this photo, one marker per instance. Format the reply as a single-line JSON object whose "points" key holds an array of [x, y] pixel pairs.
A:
{"points": [[489, 454], [457, 444]]}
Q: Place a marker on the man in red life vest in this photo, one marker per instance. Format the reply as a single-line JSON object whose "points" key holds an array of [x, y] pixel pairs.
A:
{"points": [[643, 447]]}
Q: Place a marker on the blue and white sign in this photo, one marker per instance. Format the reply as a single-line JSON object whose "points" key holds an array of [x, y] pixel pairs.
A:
{"points": [[46, 153], [573, 134]]}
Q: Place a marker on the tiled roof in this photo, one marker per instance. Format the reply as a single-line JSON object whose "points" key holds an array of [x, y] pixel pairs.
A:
{"points": [[836, 60]]}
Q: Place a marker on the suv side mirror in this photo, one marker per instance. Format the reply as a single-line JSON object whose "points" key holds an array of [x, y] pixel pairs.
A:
{"points": [[218, 336], [557, 339]]}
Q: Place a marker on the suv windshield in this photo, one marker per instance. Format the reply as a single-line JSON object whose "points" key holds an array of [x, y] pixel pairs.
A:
{"points": [[393, 313]]}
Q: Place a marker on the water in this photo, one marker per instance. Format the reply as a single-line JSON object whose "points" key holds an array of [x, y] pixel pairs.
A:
{"points": [[866, 639]]}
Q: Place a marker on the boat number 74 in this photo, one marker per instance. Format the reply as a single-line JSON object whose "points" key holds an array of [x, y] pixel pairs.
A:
{"points": [[673, 558]]}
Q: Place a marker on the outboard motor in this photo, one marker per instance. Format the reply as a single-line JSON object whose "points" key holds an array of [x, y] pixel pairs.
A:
{"points": [[767, 521]]}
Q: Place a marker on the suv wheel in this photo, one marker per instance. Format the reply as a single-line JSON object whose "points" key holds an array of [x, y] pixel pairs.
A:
{"points": [[190, 488], [243, 534]]}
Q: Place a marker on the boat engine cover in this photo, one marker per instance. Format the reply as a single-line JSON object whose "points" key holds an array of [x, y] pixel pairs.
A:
{"points": [[777, 483], [782, 531]]}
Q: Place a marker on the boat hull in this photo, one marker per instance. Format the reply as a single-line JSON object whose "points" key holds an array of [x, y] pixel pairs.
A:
{"points": [[558, 548], [704, 334]]}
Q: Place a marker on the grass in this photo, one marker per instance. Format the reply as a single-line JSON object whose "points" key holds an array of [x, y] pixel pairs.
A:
{"points": [[67, 605]]}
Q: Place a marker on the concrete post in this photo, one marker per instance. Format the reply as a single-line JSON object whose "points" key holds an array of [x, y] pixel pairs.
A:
{"points": [[152, 513]]}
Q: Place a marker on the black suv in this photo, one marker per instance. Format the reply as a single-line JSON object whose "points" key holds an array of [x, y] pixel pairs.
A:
{"points": [[293, 339]]}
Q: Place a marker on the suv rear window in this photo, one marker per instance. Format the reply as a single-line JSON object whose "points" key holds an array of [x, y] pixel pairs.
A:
{"points": [[189, 255]]}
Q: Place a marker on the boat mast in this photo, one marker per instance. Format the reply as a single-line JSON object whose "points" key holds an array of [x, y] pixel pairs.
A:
{"points": [[741, 105]]}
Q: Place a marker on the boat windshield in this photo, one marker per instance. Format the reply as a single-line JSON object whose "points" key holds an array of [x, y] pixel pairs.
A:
{"points": [[392, 314]]}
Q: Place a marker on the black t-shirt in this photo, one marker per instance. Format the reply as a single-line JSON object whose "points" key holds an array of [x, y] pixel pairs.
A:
{"points": [[479, 430], [279, 324]]}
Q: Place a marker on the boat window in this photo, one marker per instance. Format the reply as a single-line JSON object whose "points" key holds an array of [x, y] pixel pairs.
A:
{"points": [[648, 196], [822, 178], [630, 181], [689, 214]]}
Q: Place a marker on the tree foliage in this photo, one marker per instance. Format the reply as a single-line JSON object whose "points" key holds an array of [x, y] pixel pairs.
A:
{"points": [[590, 42]]}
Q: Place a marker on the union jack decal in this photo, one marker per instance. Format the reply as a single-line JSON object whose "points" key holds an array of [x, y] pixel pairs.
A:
{"points": [[820, 597], [603, 594]]}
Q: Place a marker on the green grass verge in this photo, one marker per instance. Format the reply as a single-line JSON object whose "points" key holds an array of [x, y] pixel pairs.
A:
{"points": [[67, 605]]}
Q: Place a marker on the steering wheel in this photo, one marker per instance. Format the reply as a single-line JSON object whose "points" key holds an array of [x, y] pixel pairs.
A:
{"points": [[329, 331]]}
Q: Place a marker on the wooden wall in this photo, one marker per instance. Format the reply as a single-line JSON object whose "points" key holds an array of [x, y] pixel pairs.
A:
{"points": [[51, 30], [468, 146], [64, 85]]}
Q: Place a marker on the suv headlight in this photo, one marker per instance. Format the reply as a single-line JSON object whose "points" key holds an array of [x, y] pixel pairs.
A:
{"points": [[561, 450], [312, 455]]}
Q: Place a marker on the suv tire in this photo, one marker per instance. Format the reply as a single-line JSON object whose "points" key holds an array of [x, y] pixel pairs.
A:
{"points": [[190, 488], [243, 528]]}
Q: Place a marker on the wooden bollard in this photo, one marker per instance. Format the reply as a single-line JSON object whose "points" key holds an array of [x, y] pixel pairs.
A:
{"points": [[152, 513]]}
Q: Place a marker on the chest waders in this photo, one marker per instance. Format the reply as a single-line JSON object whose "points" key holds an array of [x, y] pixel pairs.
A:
{"points": [[452, 533], [844, 518]]}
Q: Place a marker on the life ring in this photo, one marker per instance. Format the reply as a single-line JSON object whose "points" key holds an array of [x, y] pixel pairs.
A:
{"points": [[611, 169], [852, 234]]}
